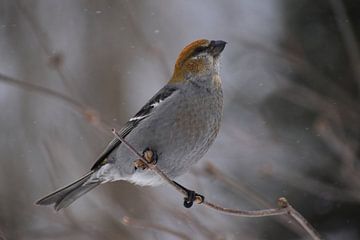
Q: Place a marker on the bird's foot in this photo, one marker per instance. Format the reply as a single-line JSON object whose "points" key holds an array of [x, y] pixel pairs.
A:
{"points": [[139, 164], [150, 156], [191, 197]]}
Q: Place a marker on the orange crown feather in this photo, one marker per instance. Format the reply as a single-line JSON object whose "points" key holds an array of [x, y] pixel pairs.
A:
{"points": [[183, 56]]}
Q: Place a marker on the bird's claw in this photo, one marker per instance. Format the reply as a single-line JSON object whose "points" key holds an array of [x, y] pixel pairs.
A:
{"points": [[139, 164], [192, 197], [150, 156]]}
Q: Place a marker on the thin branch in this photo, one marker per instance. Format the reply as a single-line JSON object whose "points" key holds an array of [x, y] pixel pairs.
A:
{"points": [[140, 35], [55, 59], [349, 38], [248, 193], [141, 224], [298, 218], [88, 113], [284, 206]]}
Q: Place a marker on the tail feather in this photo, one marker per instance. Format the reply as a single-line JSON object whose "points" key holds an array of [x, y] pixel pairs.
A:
{"points": [[68, 194]]}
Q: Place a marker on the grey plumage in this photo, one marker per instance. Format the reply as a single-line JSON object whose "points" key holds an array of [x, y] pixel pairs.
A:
{"points": [[180, 123], [65, 196]]}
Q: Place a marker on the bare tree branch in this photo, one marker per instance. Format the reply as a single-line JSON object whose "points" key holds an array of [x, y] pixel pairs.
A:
{"points": [[88, 113], [284, 206], [348, 35]]}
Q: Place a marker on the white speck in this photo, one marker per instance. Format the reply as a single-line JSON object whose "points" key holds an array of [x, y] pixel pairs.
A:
{"points": [[152, 14], [98, 12], [132, 46], [155, 104], [138, 118], [156, 31], [261, 84]]}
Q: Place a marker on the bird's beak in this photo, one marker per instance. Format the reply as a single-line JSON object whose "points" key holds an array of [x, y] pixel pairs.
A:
{"points": [[216, 47]]}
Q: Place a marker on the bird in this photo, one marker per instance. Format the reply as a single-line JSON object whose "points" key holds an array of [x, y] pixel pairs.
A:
{"points": [[176, 127]]}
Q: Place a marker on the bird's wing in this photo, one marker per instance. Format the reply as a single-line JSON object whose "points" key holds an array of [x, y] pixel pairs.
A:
{"points": [[161, 96]]}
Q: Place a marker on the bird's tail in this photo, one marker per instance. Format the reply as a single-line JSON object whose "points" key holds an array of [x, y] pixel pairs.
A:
{"points": [[68, 194]]}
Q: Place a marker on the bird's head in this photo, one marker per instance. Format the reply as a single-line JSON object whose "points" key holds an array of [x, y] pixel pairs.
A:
{"points": [[199, 58]]}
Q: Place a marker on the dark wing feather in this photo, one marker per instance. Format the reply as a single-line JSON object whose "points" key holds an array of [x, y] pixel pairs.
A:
{"points": [[144, 112]]}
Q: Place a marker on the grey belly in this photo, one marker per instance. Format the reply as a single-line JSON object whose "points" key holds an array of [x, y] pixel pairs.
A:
{"points": [[180, 136]]}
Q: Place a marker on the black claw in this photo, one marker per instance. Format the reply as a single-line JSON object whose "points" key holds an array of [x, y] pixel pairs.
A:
{"points": [[191, 197], [188, 204], [189, 200]]}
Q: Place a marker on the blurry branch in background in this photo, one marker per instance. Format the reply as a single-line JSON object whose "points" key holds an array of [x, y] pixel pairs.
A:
{"points": [[55, 59], [139, 34], [336, 117], [193, 222], [341, 114], [46, 91], [298, 62], [88, 113], [284, 206], [132, 222], [245, 192], [348, 35], [318, 188], [347, 155]]}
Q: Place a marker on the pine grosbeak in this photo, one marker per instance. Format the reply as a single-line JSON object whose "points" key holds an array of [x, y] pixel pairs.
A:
{"points": [[178, 124]]}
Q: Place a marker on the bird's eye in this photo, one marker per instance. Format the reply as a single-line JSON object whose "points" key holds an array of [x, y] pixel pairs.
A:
{"points": [[199, 50]]}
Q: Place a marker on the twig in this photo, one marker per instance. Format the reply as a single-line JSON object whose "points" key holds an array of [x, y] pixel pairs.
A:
{"points": [[55, 59], [149, 166], [141, 224], [348, 36], [245, 191], [88, 113], [298, 218], [140, 35], [284, 206]]}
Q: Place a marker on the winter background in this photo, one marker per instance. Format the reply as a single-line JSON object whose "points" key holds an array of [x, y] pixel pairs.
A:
{"points": [[291, 79]]}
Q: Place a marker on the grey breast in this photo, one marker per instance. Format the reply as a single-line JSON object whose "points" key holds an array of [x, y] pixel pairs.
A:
{"points": [[181, 131]]}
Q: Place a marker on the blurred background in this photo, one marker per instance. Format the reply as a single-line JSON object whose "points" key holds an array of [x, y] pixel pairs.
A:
{"points": [[72, 70]]}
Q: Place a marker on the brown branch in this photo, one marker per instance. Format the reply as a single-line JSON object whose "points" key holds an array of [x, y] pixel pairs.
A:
{"points": [[55, 59], [141, 224], [348, 36], [140, 35], [298, 218], [248, 193], [284, 206], [88, 113]]}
